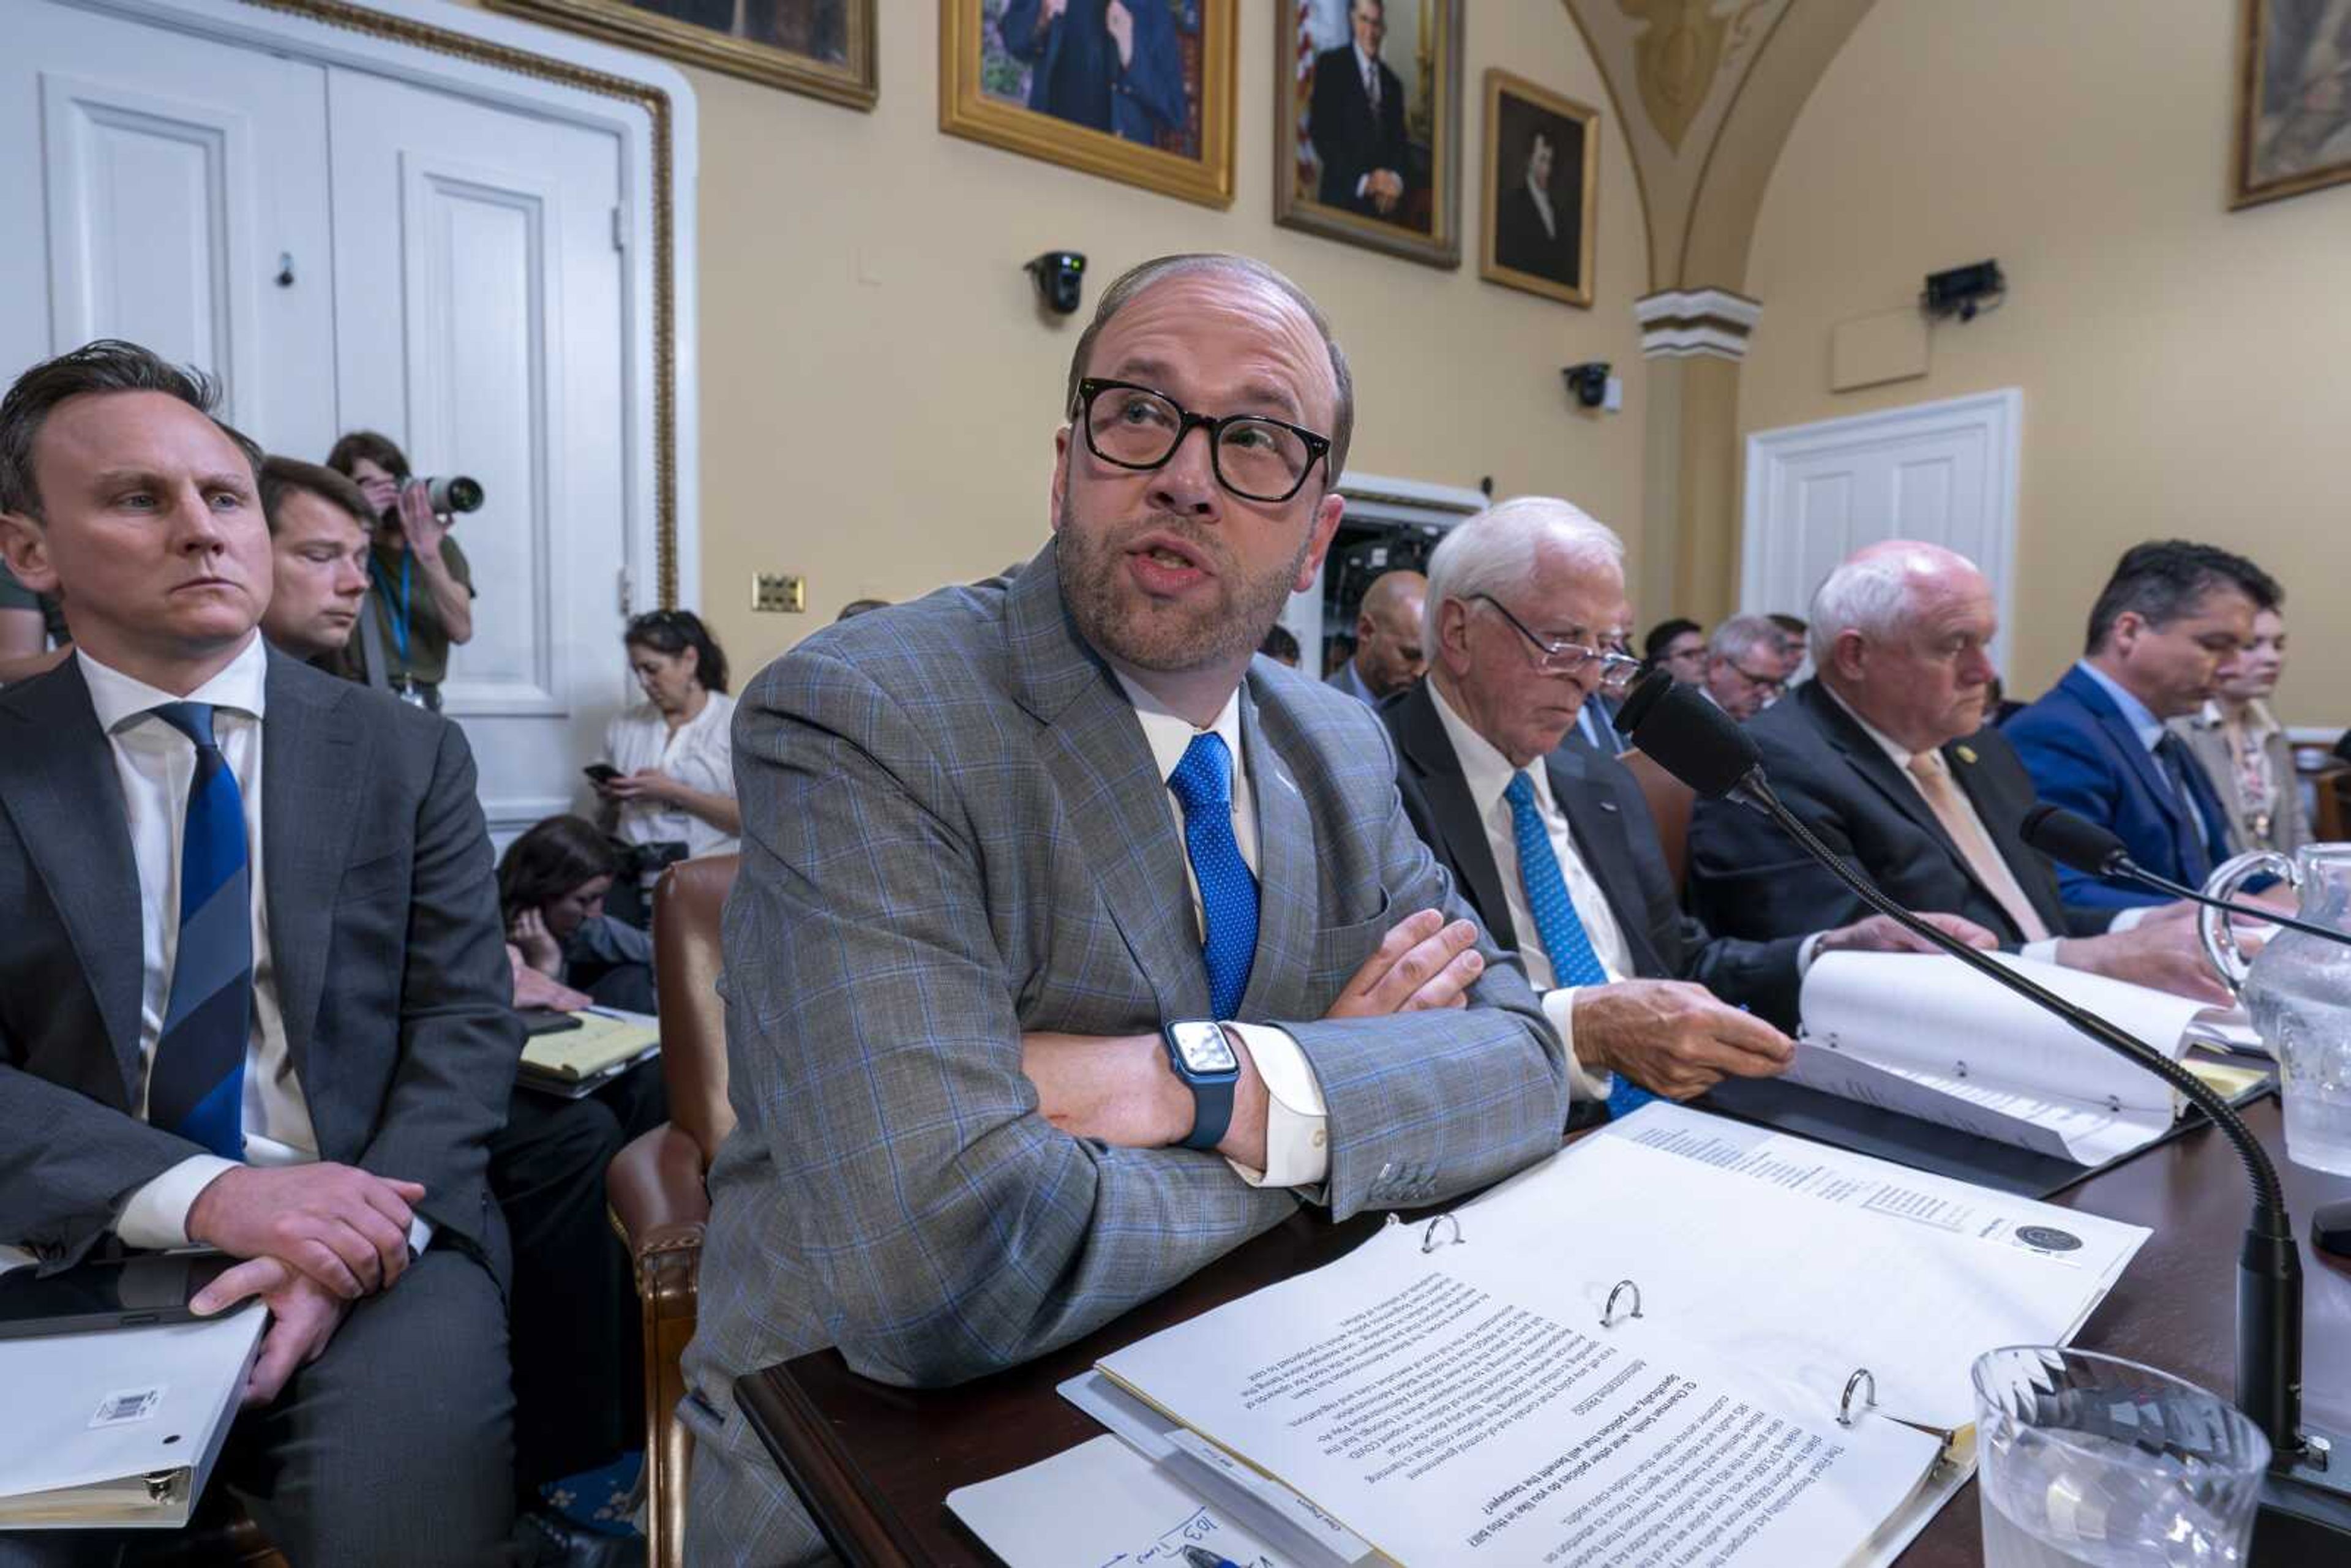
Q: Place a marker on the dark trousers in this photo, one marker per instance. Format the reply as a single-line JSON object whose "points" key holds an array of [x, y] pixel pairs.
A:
{"points": [[579, 1400], [392, 1449]]}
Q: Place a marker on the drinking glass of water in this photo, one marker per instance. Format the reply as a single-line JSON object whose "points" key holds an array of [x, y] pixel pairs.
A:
{"points": [[2088, 1461]]}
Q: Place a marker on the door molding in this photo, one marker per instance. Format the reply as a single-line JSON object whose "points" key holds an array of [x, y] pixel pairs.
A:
{"points": [[1997, 418], [646, 105]]}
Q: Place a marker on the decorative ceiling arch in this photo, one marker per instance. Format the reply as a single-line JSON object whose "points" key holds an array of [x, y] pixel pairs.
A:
{"points": [[1706, 93]]}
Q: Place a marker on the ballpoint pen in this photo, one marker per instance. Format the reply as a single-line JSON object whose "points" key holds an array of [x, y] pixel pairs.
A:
{"points": [[1201, 1557]]}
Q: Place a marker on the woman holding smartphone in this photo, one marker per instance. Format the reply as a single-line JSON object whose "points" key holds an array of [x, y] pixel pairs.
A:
{"points": [[671, 757]]}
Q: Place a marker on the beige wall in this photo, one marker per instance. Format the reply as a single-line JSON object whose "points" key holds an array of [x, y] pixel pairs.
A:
{"points": [[879, 392], [2183, 367]]}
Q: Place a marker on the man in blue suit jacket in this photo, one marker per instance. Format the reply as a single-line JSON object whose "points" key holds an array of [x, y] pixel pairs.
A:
{"points": [[2172, 614], [1108, 65], [996, 840]]}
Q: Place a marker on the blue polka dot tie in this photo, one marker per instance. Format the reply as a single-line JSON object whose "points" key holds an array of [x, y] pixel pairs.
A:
{"points": [[1203, 786], [1564, 940], [196, 1086]]}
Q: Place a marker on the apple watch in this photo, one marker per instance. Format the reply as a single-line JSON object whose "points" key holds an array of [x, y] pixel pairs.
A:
{"points": [[1204, 1061]]}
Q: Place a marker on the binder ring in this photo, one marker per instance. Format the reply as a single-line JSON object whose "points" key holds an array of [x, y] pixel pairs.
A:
{"points": [[1608, 1312], [1429, 1242], [1861, 1377]]}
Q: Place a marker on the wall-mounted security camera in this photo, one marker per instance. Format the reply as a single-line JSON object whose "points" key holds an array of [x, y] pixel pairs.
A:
{"points": [[1962, 291], [1060, 278], [1588, 382]]}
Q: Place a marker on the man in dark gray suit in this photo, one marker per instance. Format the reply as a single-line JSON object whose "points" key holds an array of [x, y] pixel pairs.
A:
{"points": [[1073, 945], [253, 993]]}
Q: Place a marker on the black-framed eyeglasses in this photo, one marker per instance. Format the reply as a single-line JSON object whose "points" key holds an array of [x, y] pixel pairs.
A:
{"points": [[1770, 685], [1257, 458], [1616, 670]]}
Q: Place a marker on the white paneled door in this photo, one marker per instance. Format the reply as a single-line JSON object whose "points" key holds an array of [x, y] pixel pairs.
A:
{"points": [[477, 279], [181, 192], [347, 250], [1942, 472]]}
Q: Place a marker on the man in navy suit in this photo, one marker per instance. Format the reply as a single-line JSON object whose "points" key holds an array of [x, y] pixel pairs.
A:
{"points": [[1106, 65], [2171, 615], [1356, 119]]}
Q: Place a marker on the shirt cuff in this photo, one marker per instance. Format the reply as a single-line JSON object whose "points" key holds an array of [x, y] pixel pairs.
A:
{"points": [[1582, 1082], [2042, 952], [1297, 1131], [420, 1235], [2132, 916], [156, 1216]]}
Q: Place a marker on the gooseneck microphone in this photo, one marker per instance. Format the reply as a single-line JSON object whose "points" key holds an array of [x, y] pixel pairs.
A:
{"points": [[1684, 733], [2076, 842]]}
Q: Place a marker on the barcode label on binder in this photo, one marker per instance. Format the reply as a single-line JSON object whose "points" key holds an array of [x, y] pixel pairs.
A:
{"points": [[128, 1404]]}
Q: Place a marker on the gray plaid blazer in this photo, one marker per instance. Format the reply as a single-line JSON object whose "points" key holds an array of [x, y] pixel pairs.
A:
{"points": [[955, 833]]}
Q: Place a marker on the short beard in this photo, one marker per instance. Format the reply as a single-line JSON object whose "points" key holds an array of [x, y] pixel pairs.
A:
{"points": [[1226, 630]]}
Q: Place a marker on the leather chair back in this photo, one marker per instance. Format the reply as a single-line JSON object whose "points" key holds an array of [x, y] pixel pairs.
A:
{"points": [[1669, 804], [687, 902]]}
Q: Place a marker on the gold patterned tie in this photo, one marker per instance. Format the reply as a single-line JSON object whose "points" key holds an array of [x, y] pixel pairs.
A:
{"points": [[1951, 810]]}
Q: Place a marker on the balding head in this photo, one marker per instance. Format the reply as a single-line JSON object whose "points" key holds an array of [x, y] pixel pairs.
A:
{"points": [[1389, 653], [1901, 632]]}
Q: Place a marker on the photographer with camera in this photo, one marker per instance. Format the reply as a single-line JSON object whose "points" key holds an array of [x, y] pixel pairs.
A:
{"points": [[669, 772], [424, 588]]}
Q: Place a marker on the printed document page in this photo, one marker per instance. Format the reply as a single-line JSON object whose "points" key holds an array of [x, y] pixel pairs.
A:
{"points": [[1097, 1504], [1456, 1406], [1923, 1035]]}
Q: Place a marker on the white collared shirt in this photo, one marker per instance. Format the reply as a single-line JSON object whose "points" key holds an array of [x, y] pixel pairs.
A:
{"points": [[1487, 773], [1297, 1149], [698, 753], [1542, 206], [157, 765]]}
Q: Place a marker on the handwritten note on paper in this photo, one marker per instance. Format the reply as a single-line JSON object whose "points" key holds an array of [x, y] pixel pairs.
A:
{"points": [[1099, 1503]]}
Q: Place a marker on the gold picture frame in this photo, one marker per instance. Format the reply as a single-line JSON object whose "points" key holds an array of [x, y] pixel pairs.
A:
{"points": [[1521, 245], [1178, 142], [834, 60], [2294, 107], [1320, 172]]}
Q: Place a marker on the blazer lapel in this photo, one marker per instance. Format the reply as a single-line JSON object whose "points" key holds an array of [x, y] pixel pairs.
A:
{"points": [[1597, 824], [1420, 735], [2002, 816], [58, 782], [312, 758], [1868, 758], [2135, 756], [1104, 774]]}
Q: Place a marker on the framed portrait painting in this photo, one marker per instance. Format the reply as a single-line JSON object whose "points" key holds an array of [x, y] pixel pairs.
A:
{"points": [[2294, 100], [1542, 188], [1138, 90], [1367, 123], [823, 48]]}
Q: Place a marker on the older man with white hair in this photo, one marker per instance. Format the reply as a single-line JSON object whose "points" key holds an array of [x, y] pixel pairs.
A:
{"points": [[1885, 754], [1553, 846]]}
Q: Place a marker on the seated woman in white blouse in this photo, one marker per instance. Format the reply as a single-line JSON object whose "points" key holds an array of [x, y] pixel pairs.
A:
{"points": [[673, 752]]}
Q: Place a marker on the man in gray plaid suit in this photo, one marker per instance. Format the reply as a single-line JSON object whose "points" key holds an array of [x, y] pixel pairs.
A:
{"points": [[1072, 946]]}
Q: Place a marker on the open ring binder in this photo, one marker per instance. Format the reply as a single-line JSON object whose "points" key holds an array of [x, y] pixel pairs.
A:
{"points": [[1861, 1377], [1608, 1312], [1429, 1242]]}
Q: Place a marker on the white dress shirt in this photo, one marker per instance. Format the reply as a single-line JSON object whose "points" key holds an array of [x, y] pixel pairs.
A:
{"points": [[698, 753], [1542, 206], [157, 765], [1297, 1151], [1487, 773]]}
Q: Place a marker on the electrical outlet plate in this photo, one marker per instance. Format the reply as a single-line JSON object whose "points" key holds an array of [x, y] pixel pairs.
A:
{"points": [[778, 593]]}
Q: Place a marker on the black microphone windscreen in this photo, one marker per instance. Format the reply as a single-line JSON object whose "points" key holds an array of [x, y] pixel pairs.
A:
{"points": [[2073, 840], [1675, 726]]}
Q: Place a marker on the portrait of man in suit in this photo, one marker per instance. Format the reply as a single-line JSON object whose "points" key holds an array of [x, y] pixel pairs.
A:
{"points": [[1540, 202], [1113, 65], [253, 994], [1076, 943], [1357, 120]]}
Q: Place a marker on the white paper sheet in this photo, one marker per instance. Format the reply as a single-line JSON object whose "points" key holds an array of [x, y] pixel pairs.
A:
{"points": [[1095, 1505]]}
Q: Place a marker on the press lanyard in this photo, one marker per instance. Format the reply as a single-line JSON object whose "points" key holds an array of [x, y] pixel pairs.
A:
{"points": [[398, 619]]}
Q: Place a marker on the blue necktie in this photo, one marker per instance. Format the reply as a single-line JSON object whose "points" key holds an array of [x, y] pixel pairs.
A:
{"points": [[196, 1086], [1203, 785], [1572, 961]]}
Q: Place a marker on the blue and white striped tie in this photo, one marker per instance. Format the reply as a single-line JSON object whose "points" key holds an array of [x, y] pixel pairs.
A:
{"points": [[196, 1086]]}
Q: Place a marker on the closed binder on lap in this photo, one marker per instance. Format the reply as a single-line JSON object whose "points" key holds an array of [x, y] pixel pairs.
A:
{"points": [[120, 1428]]}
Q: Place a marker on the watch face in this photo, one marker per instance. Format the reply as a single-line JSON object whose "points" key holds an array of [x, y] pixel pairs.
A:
{"points": [[1204, 1049]]}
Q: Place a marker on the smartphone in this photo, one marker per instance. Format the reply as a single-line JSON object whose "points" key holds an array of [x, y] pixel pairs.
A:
{"points": [[106, 1294], [601, 772]]}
